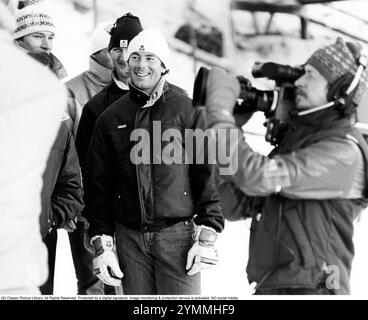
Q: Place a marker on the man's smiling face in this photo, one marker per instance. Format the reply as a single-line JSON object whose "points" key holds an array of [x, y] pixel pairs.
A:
{"points": [[145, 70]]}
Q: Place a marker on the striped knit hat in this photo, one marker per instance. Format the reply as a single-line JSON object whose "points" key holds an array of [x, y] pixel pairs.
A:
{"points": [[340, 58], [33, 18]]}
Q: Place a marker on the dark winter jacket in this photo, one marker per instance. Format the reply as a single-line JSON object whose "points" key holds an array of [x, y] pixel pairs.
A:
{"points": [[62, 194], [91, 111], [311, 189], [147, 196]]}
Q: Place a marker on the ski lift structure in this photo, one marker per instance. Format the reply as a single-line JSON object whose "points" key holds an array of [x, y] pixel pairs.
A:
{"points": [[293, 7], [231, 35]]}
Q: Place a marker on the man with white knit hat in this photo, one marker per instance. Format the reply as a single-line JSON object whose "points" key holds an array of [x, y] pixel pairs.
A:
{"points": [[35, 32], [152, 208], [29, 120], [87, 84], [108, 44]]}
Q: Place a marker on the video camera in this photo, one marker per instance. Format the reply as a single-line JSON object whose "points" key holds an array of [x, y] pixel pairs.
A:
{"points": [[275, 104]]}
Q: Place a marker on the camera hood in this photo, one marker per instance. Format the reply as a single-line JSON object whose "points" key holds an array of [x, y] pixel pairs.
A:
{"points": [[200, 87]]}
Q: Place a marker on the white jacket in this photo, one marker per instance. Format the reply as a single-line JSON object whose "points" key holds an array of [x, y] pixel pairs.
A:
{"points": [[31, 105]]}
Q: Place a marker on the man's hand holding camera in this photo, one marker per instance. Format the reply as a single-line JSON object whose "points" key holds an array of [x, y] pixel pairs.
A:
{"points": [[223, 90]]}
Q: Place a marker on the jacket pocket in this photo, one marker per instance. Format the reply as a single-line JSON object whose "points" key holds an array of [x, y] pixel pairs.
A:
{"points": [[302, 241], [121, 143], [267, 251]]}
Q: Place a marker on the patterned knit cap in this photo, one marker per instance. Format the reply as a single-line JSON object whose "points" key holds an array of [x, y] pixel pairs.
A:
{"points": [[340, 58], [33, 18]]}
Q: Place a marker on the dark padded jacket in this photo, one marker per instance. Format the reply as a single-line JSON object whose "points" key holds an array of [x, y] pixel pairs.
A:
{"points": [[146, 195], [91, 111], [308, 193], [62, 193]]}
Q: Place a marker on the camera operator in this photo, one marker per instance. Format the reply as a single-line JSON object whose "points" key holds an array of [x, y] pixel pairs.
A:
{"points": [[304, 196]]}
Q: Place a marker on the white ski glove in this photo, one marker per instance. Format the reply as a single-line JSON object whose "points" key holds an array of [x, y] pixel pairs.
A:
{"points": [[105, 263], [203, 254]]}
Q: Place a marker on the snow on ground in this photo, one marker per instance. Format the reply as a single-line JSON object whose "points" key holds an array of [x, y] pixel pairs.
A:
{"points": [[71, 46]]}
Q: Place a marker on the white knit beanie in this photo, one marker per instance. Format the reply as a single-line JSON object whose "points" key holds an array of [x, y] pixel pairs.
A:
{"points": [[100, 37], [7, 14], [31, 19], [151, 40]]}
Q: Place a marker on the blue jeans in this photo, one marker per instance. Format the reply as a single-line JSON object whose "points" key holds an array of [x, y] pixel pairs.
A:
{"points": [[154, 263]]}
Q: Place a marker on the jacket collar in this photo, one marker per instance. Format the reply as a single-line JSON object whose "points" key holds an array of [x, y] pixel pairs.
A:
{"points": [[319, 119], [98, 73], [120, 84], [146, 99], [58, 67]]}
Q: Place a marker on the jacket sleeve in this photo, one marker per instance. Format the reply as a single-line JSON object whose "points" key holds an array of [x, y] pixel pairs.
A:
{"points": [[84, 134], [67, 196], [203, 181], [98, 184], [327, 169], [74, 112], [234, 202]]}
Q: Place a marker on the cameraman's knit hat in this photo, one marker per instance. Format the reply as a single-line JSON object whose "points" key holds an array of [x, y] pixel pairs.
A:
{"points": [[151, 40], [340, 58], [124, 30], [33, 18], [7, 14]]}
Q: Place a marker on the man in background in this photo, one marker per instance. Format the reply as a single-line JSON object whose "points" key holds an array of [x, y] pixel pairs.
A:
{"points": [[87, 84], [62, 191], [35, 32], [124, 30]]}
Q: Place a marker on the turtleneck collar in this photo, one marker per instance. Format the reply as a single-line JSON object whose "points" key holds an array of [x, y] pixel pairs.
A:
{"points": [[100, 74]]}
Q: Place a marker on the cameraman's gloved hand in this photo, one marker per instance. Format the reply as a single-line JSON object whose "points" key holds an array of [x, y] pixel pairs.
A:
{"points": [[223, 90], [203, 254], [105, 263]]}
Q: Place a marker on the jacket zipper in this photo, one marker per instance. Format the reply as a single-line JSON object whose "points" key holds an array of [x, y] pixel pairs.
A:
{"points": [[137, 173], [276, 257], [151, 164]]}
